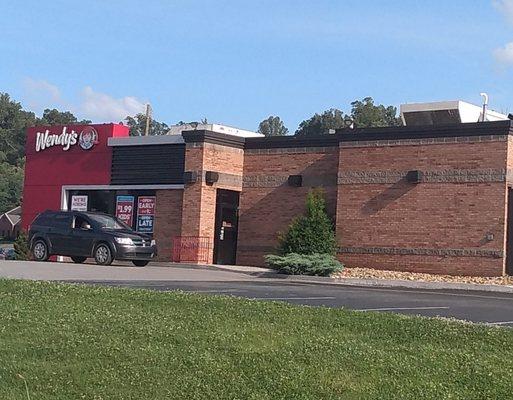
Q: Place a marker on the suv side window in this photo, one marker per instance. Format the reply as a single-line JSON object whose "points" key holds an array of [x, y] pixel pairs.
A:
{"points": [[81, 223], [61, 221]]}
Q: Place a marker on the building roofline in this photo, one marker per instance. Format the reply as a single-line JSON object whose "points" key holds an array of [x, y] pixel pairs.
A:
{"points": [[204, 136], [489, 128]]}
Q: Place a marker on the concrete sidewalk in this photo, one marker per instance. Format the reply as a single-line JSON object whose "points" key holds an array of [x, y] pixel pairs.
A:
{"points": [[56, 271], [384, 283]]}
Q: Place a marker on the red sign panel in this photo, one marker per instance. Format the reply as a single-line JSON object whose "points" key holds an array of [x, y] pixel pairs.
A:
{"points": [[146, 205], [125, 209]]}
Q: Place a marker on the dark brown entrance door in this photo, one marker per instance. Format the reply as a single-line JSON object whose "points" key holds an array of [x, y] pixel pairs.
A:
{"points": [[225, 240]]}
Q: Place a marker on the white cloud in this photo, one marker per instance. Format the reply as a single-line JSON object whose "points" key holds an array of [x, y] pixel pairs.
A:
{"points": [[41, 94], [93, 105], [102, 107], [506, 8], [504, 55]]}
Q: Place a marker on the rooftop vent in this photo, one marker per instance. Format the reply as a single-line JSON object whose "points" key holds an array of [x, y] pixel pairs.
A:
{"points": [[446, 112], [229, 130]]}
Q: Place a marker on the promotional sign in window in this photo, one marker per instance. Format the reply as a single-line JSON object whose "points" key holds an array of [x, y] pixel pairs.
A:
{"points": [[78, 203], [145, 214], [125, 209]]}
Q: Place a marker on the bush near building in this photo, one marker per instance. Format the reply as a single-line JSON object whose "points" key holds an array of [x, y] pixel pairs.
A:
{"points": [[21, 247], [304, 264], [309, 245]]}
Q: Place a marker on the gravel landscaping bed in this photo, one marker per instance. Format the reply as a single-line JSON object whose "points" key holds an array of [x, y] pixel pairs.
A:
{"points": [[368, 273]]}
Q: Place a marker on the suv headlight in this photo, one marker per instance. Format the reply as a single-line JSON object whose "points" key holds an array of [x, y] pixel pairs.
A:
{"points": [[153, 242], [126, 241]]}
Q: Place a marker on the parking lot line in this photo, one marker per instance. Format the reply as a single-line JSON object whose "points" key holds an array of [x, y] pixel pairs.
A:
{"points": [[403, 308], [500, 323], [292, 298]]}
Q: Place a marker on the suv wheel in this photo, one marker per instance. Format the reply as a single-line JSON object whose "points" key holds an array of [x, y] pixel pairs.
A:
{"points": [[140, 263], [40, 250], [78, 260], [103, 254]]}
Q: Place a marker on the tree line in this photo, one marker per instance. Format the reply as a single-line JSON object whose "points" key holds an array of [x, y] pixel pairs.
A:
{"points": [[14, 121]]}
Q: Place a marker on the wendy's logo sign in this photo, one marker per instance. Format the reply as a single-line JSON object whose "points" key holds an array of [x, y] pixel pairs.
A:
{"points": [[86, 139]]}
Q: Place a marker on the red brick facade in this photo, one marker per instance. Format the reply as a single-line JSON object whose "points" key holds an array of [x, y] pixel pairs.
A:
{"points": [[450, 218], [452, 222]]}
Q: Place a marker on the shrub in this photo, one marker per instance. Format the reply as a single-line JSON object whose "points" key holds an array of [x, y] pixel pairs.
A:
{"points": [[21, 247], [310, 233], [301, 264]]}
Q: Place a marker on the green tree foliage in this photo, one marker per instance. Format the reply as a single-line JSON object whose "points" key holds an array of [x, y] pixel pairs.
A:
{"points": [[137, 125], [367, 114], [13, 124], [272, 126], [321, 124], [56, 117], [21, 247], [11, 183], [364, 114], [312, 232]]}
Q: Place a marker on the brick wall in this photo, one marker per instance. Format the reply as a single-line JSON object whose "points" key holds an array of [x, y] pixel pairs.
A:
{"points": [[268, 204], [168, 221], [199, 205], [453, 221]]}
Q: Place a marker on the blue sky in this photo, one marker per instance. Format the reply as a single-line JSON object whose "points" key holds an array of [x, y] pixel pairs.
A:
{"points": [[237, 62]]}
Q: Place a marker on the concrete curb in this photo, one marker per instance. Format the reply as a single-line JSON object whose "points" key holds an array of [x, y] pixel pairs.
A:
{"points": [[377, 283]]}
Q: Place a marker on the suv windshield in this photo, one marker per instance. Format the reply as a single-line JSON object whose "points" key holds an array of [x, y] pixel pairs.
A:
{"points": [[108, 222]]}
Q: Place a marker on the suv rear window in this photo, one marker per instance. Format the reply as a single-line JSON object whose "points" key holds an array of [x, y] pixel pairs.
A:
{"points": [[53, 219]]}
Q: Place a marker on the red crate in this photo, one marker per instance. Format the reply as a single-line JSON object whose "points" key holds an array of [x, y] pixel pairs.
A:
{"points": [[194, 249]]}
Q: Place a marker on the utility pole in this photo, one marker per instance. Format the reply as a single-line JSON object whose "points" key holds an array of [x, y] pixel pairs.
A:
{"points": [[148, 116]]}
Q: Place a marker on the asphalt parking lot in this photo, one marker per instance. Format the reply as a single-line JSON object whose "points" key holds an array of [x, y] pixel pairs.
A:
{"points": [[484, 307], [475, 306]]}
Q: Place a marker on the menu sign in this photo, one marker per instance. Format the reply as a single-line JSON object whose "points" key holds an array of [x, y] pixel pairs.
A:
{"points": [[145, 213], [78, 203], [125, 209]]}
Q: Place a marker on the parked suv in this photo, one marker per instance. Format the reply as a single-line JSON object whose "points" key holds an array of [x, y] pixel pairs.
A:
{"points": [[80, 235]]}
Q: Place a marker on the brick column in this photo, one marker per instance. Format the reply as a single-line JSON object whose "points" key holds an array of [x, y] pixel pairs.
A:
{"points": [[199, 197]]}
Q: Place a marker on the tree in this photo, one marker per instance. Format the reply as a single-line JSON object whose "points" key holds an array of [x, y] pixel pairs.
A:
{"points": [[13, 123], [366, 114], [137, 125], [21, 247], [322, 123], [272, 126], [56, 117], [311, 233], [11, 183]]}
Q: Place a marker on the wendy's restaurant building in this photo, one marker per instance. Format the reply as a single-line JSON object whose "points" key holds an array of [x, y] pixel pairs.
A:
{"points": [[431, 196]]}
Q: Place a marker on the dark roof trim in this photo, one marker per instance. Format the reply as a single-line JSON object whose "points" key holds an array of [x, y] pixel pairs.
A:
{"points": [[352, 135], [423, 132], [274, 142], [387, 133], [204, 136]]}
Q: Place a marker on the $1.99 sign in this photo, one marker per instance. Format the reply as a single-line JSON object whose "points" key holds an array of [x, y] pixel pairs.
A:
{"points": [[125, 209]]}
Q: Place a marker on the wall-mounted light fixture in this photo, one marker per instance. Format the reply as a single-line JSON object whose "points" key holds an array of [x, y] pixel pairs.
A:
{"points": [[414, 176], [190, 177], [211, 177], [295, 180]]}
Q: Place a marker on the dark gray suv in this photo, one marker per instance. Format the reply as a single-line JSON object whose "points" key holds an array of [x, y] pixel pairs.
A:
{"points": [[81, 235]]}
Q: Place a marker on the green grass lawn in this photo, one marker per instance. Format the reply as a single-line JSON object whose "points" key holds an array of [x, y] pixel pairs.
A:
{"points": [[77, 342]]}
